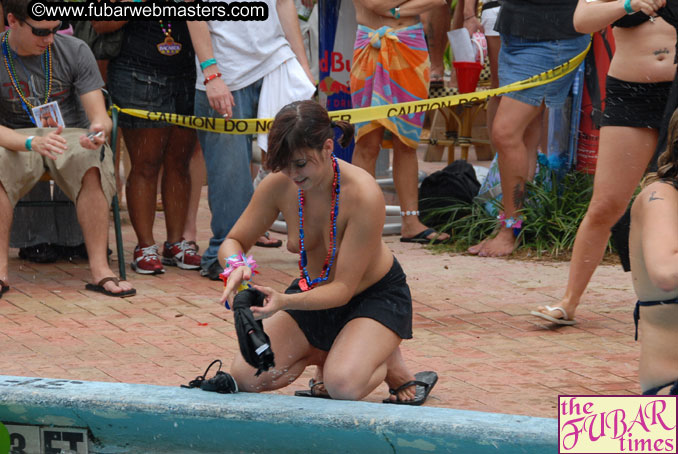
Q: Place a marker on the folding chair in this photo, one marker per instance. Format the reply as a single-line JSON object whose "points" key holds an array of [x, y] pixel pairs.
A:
{"points": [[114, 203]]}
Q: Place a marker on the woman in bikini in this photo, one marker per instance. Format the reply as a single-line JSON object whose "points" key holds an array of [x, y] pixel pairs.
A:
{"points": [[351, 307], [637, 87], [653, 250]]}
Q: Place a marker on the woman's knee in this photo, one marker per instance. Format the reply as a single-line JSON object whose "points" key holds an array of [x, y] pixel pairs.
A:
{"points": [[606, 211], [344, 384]]}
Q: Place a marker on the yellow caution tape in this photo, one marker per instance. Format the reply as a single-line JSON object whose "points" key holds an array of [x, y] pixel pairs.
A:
{"points": [[261, 126]]}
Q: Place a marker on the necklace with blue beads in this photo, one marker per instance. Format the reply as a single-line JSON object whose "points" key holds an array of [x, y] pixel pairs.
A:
{"points": [[305, 283], [11, 71]]}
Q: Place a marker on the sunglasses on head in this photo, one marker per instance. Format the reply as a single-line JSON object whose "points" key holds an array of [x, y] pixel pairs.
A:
{"points": [[42, 32]]}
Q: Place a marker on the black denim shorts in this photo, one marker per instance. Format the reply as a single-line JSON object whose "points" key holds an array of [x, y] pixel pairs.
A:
{"points": [[148, 89], [634, 104]]}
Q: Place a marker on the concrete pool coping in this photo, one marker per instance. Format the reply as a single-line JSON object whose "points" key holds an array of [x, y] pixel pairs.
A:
{"points": [[126, 418]]}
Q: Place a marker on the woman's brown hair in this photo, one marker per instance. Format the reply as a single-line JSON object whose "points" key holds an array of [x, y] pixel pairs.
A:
{"points": [[301, 125], [668, 161]]}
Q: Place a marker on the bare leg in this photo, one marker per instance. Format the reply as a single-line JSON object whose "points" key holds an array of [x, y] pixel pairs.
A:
{"points": [[6, 215], [493, 47], [198, 178], [508, 135], [367, 149], [292, 352], [92, 209], [405, 178], [146, 148], [623, 156], [176, 180], [357, 361]]}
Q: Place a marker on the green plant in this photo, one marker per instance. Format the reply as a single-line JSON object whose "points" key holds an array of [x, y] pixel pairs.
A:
{"points": [[552, 214]]}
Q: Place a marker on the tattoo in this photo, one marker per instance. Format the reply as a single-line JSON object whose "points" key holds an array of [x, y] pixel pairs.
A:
{"points": [[518, 196], [661, 51], [652, 197]]}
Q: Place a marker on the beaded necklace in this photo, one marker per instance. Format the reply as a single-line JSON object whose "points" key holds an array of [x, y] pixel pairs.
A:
{"points": [[168, 47], [11, 71], [305, 283]]}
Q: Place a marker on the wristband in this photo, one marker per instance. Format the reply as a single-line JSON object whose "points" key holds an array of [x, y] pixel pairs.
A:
{"points": [[29, 142], [207, 63], [627, 7], [211, 77]]}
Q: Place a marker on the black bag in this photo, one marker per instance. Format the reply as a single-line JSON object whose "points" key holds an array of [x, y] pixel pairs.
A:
{"points": [[455, 183], [255, 345], [105, 46]]}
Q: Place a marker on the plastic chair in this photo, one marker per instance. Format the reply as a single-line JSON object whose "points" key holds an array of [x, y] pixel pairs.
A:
{"points": [[115, 205]]}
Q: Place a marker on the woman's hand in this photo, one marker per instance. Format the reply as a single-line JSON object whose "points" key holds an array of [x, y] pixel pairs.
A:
{"points": [[50, 145], [649, 7], [274, 302], [237, 277]]}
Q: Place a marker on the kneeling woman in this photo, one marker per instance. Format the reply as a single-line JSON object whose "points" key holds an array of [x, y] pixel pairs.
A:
{"points": [[653, 247], [351, 307]]}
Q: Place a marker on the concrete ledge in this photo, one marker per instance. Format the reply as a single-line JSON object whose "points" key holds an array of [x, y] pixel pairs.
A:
{"points": [[128, 418]]}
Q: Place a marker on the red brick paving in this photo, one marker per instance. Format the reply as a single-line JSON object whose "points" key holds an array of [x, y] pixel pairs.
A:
{"points": [[471, 325]]}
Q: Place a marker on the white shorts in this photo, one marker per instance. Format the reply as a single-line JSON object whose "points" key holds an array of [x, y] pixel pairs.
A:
{"points": [[488, 19], [285, 84]]}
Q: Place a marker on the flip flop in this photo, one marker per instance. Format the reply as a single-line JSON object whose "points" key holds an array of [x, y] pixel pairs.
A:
{"points": [[425, 382], [558, 321], [3, 287], [422, 238], [312, 384], [101, 289], [276, 243]]}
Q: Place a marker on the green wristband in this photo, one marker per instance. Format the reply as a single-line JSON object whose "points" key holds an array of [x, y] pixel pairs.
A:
{"points": [[28, 143], [395, 12], [627, 7], [207, 63]]}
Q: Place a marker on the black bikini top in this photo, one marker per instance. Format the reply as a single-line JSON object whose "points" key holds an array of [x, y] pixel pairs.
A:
{"points": [[631, 20]]}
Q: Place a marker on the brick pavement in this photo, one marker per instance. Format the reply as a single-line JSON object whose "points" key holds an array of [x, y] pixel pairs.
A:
{"points": [[471, 325]]}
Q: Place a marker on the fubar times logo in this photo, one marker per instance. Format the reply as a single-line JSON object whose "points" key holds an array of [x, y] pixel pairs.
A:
{"points": [[617, 424]]}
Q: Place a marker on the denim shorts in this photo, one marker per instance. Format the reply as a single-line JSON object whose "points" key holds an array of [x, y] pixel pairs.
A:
{"points": [[521, 58], [150, 90]]}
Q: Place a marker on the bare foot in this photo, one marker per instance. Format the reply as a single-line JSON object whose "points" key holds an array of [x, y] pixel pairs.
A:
{"points": [[397, 373], [475, 249], [501, 245]]}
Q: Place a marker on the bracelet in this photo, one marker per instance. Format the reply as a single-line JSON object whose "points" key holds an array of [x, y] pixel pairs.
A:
{"points": [[627, 7], [511, 223], [29, 143], [211, 77], [236, 261], [467, 18], [395, 12], [207, 63], [409, 213]]}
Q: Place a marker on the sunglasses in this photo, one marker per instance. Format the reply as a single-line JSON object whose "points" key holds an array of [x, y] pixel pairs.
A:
{"points": [[43, 32]]}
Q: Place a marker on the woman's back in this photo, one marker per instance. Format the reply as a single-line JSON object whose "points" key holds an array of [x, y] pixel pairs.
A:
{"points": [[653, 242]]}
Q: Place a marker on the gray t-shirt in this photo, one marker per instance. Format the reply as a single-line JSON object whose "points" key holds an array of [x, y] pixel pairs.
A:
{"points": [[74, 73]]}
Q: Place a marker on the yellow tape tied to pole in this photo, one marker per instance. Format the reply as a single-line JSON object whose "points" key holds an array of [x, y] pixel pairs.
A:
{"points": [[262, 125]]}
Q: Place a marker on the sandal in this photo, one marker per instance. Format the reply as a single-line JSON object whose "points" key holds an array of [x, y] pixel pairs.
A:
{"points": [[313, 391]]}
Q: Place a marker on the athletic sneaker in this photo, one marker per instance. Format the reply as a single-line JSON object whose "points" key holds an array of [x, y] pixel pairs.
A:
{"points": [[146, 260], [180, 254]]}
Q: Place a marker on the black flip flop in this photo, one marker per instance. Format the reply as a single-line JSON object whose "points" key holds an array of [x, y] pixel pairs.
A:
{"points": [[310, 392], [276, 243], [99, 288], [425, 381], [422, 238], [3, 287]]}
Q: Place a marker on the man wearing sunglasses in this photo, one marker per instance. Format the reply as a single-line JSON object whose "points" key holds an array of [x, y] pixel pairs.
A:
{"points": [[39, 67]]}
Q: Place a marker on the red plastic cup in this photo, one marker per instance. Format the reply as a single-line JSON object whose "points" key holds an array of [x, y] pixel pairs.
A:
{"points": [[468, 74]]}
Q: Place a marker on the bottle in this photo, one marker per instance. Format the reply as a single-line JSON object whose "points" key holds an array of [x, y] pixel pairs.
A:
{"points": [[304, 12]]}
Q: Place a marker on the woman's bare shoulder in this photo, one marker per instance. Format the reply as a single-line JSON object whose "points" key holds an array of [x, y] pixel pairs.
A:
{"points": [[361, 186]]}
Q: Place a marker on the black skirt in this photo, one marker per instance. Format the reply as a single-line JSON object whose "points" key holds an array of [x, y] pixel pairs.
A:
{"points": [[388, 301], [634, 104]]}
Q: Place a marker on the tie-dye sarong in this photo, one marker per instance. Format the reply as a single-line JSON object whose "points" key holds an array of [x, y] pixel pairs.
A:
{"points": [[390, 66]]}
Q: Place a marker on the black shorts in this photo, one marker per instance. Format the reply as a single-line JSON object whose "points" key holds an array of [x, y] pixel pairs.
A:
{"points": [[388, 301], [634, 104]]}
